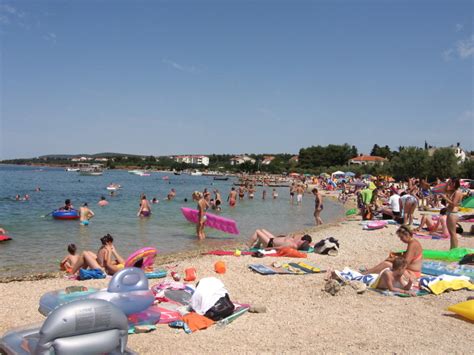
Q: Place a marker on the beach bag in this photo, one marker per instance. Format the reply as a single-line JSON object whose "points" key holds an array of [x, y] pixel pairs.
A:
{"points": [[221, 309], [85, 274]]}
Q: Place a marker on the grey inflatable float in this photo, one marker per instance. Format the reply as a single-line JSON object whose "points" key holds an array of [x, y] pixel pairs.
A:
{"points": [[88, 326], [128, 290]]}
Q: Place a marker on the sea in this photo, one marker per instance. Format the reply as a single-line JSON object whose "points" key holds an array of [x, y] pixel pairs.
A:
{"points": [[39, 242]]}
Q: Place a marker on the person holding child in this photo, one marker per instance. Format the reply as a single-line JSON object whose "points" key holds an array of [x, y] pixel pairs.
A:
{"points": [[413, 256]]}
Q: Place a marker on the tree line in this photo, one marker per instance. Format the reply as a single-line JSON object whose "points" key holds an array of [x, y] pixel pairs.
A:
{"points": [[402, 163]]}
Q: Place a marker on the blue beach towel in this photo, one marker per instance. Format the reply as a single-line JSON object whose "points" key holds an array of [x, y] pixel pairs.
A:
{"points": [[85, 274]]}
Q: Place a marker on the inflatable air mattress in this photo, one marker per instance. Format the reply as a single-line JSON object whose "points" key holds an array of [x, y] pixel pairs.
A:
{"points": [[213, 221]]}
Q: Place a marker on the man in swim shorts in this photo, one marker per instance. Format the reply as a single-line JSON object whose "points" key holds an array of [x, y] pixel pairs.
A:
{"points": [[85, 214], [299, 194], [232, 198]]}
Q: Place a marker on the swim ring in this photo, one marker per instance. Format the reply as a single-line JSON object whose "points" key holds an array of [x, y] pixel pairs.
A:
{"points": [[146, 254], [62, 214]]}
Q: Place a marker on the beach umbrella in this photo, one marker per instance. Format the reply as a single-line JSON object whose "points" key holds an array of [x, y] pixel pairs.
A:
{"points": [[366, 176], [337, 173], [358, 183], [468, 203], [326, 175], [350, 174], [294, 174]]}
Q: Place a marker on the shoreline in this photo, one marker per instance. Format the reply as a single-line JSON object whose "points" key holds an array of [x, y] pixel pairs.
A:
{"points": [[163, 259]]}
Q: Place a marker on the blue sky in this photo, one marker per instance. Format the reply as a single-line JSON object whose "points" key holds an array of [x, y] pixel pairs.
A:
{"points": [[222, 76]]}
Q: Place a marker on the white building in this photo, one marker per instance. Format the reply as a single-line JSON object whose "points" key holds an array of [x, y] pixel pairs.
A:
{"points": [[192, 159], [459, 153], [267, 160], [81, 159], [240, 159]]}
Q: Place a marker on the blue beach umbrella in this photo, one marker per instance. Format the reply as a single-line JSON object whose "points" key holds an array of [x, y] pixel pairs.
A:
{"points": [[350, 174]]}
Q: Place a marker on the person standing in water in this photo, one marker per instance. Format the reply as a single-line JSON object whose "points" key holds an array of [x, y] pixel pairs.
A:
{"points": [[232, 198], [85, 214], [145, 209], [274, 194], [318, 206], [171, 194], [202, 206], [299, 194]]}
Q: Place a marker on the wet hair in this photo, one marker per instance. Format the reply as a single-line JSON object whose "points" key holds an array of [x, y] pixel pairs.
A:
{"points": [[143, 197], [443, 211], [314, 190], [102, 197], [185, 199], [67, 202], [85, 204], [71, 248], [399, 263], [233, 188], [307, 238], [106, 239]]}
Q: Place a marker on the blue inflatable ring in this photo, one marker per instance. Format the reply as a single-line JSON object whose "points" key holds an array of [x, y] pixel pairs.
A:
{"points": [[61, 214]]}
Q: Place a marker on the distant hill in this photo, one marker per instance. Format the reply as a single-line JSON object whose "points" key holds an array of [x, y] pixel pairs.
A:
{"points": [[97, 155]]}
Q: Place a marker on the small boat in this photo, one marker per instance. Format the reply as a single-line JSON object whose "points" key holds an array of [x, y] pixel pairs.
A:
{"points": [[139, 172], [176, 173], [196, 173], [72, 169], [221, 178], [87, 169]]}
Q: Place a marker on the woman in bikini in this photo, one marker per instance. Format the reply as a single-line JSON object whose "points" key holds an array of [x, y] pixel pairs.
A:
{"points": [[413, 256], [318, 206], [108, 258], [145, 209], [453, 198], [202, 206]]}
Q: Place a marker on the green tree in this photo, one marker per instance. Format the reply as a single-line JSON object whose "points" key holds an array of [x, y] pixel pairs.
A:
{"points": [[443, 164], [466, 169], [410, 162]]}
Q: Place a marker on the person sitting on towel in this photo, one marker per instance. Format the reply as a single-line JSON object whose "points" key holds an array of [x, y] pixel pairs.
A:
{"points": [[263, 239], [392, 279]]}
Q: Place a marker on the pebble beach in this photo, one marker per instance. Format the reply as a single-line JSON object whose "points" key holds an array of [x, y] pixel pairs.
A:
{"points": [[300, 316]]}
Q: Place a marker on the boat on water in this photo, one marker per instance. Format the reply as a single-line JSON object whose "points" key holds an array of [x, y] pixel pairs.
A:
{"points": [[176, 173], [139, 172], [221, 178], [86, 169], [196, 173], [72, 169], [114, 187]]}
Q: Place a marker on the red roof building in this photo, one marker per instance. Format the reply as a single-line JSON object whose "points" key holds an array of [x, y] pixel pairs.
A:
{"points": [[368, 160]]}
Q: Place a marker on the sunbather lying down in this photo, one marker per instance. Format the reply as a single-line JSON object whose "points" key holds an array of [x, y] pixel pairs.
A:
{"points": [[263, 239]]}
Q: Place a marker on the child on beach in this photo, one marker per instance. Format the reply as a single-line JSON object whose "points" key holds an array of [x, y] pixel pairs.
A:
{"points": [[392, 279], [70, 259]]}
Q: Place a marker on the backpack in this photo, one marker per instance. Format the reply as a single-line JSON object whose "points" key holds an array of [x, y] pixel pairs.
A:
{"points": [[221, 309]]}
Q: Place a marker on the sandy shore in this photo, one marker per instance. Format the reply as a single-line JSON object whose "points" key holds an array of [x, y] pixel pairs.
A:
{"points": [[300, 317]]}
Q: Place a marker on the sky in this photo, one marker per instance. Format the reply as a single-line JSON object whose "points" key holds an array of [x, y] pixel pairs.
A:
{"points": [[224, 76]]}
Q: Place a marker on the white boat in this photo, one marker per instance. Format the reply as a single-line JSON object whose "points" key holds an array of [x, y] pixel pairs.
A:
{"points": [[139, 172], [114, 187], [196, 173], [87, 169], [72, 169]]}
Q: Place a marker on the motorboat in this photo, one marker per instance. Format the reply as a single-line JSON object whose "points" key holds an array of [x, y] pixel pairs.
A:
{"points": [[87, 169]]}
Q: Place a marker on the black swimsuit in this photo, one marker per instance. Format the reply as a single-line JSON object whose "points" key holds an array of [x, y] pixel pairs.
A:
{"points": [[270, 243]]}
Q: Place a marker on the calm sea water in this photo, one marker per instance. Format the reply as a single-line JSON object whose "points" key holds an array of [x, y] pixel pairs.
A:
{"points": [[40, 242]]}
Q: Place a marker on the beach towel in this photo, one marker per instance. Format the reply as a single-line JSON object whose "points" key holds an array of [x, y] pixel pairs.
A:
{"points": [[443, 283], [286, 269], [348, 274], [197, 322], [430, 236], [89, 274], [437, 268], [291, 252]]}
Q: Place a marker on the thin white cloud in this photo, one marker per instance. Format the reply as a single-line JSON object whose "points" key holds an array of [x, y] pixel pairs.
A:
{"points": [[9, 14], [465, 48], [180, 67], [459, 27], [50, 36]]}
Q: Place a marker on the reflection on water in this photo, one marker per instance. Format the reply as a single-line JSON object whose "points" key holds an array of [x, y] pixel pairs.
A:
{"points": [[40, 242]]}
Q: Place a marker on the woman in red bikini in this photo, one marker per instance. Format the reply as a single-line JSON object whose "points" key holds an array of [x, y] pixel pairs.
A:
{"points": [[413, 256]]}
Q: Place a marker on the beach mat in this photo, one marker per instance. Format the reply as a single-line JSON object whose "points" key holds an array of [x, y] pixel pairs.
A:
{"points": [[429, 236], [286, 269], [399, 294], [437, 268]]}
